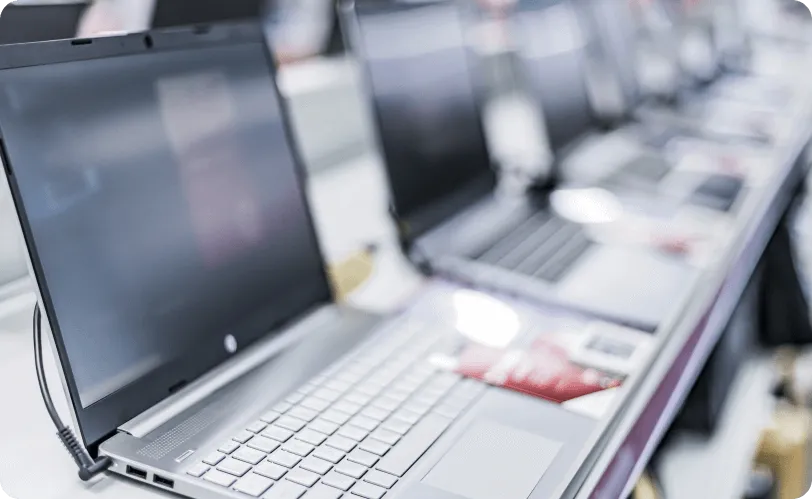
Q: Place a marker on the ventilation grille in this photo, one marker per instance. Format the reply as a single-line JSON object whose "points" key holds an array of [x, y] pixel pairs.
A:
{"points": [[169, 441]]}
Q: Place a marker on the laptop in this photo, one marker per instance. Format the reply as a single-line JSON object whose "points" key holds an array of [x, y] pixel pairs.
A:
{"points": [[738, 105], [576, 65], [453, 220], [178, 268], [24, 23]]}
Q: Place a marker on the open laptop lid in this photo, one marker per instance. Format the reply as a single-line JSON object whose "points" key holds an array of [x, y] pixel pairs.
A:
{"points": [[427, 108], [162, 206], [614, 27], [37, 22], [555, 50]]}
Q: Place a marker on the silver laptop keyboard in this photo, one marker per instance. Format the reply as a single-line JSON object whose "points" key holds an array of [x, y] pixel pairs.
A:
{"points": [[544, 246], [352, 432]]}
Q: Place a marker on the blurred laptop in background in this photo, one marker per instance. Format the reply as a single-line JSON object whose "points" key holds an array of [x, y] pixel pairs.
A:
{"points": [[36, 21]]}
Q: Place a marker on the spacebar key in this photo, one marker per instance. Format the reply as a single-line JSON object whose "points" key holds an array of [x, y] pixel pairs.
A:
{"points": [[398, 461]]}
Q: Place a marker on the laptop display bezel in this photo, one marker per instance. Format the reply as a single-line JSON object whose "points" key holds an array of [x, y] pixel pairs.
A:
{"points": [[99, 421]]}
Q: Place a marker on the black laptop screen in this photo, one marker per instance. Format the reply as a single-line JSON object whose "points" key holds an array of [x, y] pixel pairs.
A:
{"points": [[37, 23], [425, 103], [169, 13], [163, 201], [554, 45]]}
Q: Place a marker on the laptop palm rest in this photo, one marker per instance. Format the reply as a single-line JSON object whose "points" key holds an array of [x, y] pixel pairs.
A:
{"points": [[493, 461], [638, 285]]}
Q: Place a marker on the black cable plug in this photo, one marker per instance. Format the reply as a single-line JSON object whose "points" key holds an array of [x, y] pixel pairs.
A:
{"points": [[88, 467]]}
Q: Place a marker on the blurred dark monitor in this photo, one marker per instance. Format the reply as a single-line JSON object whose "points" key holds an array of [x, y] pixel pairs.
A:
{"points": [[170, 13], [40, 22]]}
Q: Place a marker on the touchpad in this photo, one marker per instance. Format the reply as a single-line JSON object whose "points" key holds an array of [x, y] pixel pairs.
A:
{"points": [[493, 461]]}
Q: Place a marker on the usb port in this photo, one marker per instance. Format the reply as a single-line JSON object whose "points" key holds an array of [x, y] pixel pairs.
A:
{"points": [[136, 473], [164, 482]]}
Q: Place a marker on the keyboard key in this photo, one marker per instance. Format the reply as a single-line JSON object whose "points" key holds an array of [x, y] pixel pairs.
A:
{"points": [[294, 398], [407, 416], [229, 447], [315, 404], [399, 397], [243, 437], [197, 470], [338, 481], [253, 485], [295, 446], [341, 443], [285, 490], [418, 408], [269, 417], [311, 437], [327, 394], [375, 413], [303, 477], [257, 426], [364, 422], [369, 389], [413, 445], [277, 433], [303, 413], [214, 458], [284, 458], [289, 423], [219, 478], [263, 444], [347, 407], [337, 385], [234, 467], [374, 446], [358, 398], [350, 378], [386, 436], [349, 468], [316, 465], [397, 426], [329, 453], [270, 470], [249, 455], [323, 426], [407, 385], [363, 457], [336, 417], [323, 492], [282, 407], [353, 432], [427, 398], [449, 411], [381, 479], [368, 490], [308, 388], [386, 403]]}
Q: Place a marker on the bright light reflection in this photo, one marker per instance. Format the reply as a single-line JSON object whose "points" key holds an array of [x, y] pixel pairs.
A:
{"points": [[587, 206], [485, 320]]}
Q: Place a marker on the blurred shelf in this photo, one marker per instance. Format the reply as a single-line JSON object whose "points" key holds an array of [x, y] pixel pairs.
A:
{"points": [[692, 466]]}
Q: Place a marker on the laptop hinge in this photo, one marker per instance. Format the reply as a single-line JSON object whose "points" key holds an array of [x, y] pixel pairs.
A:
{"points": [[228, 372], [409, 246]]}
